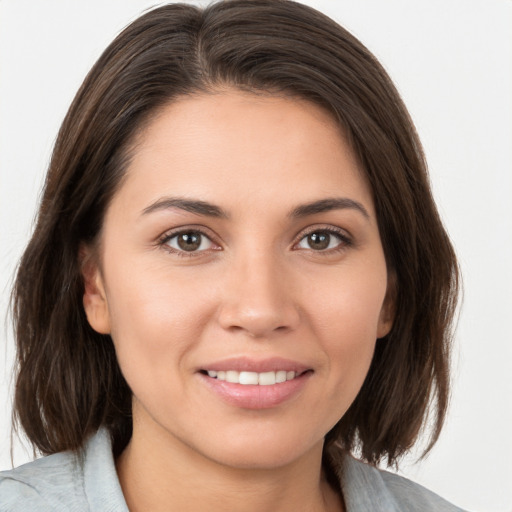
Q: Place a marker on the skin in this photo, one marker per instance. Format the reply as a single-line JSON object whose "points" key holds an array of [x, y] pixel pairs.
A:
{"points": [[256, 288]]}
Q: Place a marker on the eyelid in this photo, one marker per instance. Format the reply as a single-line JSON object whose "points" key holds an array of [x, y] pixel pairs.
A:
{"points": [[164, 238], [345, 237]]}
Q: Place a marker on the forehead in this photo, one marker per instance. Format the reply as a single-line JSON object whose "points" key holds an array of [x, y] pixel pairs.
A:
{"points": [[239, 148]]}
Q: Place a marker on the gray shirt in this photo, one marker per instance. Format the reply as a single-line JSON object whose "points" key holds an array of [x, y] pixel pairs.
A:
{"points": [[67, 482]]}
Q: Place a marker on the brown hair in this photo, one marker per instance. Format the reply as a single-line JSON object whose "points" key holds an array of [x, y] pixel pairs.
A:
{"points": [[69, 383]]}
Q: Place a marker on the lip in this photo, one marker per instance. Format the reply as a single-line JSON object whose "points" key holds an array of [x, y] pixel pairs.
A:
{"points": [[255, 396], [246, 364]]}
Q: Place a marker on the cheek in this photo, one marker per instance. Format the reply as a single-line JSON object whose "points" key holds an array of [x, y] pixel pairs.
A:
{"points": [[348, 301], [156, 320], [346, 321]]}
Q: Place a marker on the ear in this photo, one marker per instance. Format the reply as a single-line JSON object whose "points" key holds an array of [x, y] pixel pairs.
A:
{"points": [[387, 313], [95, 299]]}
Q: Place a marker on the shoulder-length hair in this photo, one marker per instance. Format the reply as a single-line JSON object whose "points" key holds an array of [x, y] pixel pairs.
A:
{"points": [[68, 379]]}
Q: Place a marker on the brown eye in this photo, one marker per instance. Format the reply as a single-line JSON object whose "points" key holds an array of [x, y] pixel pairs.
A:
{"points": [[321, 240], [189, 241]]}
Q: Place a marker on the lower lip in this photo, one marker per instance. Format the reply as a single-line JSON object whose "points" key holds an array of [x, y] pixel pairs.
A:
{"points": [[256, 397]]}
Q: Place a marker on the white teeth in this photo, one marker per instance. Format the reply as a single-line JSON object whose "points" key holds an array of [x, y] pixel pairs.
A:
{"points": [[280, 376], [232, 376], [248, 378], [267, 378], [253, 378]]}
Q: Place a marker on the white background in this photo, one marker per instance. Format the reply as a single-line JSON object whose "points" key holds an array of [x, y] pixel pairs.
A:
{"points": [[452, 62]]}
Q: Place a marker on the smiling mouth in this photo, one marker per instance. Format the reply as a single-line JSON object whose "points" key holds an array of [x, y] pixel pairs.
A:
{"points": [[253, 378]]}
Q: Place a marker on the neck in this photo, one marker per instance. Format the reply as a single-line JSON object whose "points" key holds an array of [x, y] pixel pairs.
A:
{"points": [[159, 473]]}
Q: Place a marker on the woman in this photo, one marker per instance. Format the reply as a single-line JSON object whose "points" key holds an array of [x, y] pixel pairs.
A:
{"points": [[238, 277]]}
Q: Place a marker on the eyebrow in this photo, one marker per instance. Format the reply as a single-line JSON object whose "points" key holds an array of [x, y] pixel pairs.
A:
{"points": [[189, 205], [210, 210], [326, 205]]}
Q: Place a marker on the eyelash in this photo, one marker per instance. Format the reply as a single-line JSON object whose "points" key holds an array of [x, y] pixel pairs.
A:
{"points": [[345, 240], [169, 235]]}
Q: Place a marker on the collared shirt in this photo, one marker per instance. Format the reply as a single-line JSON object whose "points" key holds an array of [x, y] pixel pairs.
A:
{"points": [[72, 483]]}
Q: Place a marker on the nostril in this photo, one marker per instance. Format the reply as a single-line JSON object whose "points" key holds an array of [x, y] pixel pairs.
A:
{"points": [[258, 317]]}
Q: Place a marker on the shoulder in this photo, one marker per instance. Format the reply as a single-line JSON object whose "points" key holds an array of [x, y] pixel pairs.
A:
{"points": [[66, 481], [47, 483], [367, 488]]}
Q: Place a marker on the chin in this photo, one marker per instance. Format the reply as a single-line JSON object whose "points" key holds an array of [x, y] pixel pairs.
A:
{"points": [[262, 453]]}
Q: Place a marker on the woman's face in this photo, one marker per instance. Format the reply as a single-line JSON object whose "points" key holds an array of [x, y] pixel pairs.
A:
{"points": [[242, 278]]}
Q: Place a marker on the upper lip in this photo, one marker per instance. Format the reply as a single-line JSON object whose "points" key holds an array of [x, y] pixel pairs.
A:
{"points": [[246, 364]]}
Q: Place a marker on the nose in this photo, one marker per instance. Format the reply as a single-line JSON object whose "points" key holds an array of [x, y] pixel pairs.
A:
{"points": [[258, 298]]}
